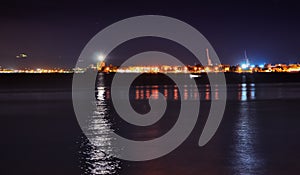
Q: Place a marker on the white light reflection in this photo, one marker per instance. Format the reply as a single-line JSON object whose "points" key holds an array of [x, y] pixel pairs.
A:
{"points": [[246, 92], [252, 91], [98, 158], [247, 159]]}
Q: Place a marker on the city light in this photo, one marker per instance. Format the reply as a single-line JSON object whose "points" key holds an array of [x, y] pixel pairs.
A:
{"points": [[101, 57], [244, 66], [101, 66]]}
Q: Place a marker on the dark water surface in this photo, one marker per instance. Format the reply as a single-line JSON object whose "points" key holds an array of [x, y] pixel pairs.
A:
{"points": [[259, 133]]}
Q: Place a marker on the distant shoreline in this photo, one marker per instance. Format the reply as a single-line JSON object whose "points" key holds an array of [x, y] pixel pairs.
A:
{"points": [[64, 81]]}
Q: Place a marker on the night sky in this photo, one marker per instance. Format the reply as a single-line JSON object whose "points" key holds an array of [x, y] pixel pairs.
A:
{"points": [[53, 33]]}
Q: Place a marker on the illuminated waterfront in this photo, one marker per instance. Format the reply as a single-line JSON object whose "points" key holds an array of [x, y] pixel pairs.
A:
{"points": [[291, 68]]}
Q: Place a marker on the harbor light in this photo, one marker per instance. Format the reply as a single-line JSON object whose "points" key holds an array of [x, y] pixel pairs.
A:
{"points": [[101, 57], [244, 66]]}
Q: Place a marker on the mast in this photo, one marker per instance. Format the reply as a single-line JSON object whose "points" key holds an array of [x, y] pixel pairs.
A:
{"points": [[246, 58], [209, 63]]}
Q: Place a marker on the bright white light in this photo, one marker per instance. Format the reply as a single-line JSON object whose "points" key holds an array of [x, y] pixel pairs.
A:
{"points": [[101, 57], [252, 66], [244, 66], [261, 66]]}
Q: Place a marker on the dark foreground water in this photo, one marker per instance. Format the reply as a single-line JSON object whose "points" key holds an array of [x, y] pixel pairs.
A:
{"points": [[259, 133]]}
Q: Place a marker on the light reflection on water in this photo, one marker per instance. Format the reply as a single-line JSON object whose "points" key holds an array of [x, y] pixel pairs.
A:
{"points": [[98, 158], [240, 92], [246, 92], [247, 159], [235, 92]]}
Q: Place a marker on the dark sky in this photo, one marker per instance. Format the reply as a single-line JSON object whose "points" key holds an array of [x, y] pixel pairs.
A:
{"points": [[53, 33]]}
